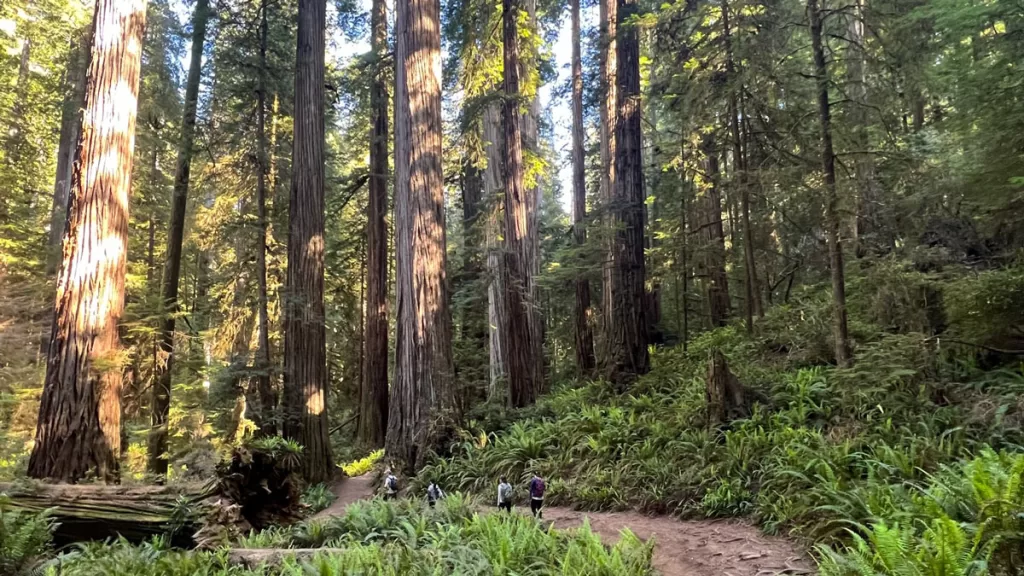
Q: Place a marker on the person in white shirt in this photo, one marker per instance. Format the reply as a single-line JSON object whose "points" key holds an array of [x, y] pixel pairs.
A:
{"points": [[434, 493], [504, 495], [390, 485]]}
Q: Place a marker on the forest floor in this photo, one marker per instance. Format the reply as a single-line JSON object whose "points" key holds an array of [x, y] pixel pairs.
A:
{"points": [[682, 548]]}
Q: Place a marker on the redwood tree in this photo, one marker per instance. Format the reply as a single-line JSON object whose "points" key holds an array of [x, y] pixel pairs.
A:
{"points": [[422, 400], [585, 362], [628, 354], [79, 428], [305, 347], [521, 358], [373, 396], [608, 56], [161, 404]]}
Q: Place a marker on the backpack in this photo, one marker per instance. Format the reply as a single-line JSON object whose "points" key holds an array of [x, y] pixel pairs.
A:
{"points": [[538, 487], [392, 483], [506, 492], [434, 492]]}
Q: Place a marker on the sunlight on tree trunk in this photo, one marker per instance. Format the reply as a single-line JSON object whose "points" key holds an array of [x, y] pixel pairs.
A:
{"points": [[79, 427], [422, 404], [305, 344]]}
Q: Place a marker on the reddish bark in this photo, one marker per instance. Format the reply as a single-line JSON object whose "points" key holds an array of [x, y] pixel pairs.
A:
{"points": [[305, 343], [78, 431]]}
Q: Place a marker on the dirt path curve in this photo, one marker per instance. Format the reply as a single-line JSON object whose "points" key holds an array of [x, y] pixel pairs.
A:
{"points": [[682, 548], [346, 491]]}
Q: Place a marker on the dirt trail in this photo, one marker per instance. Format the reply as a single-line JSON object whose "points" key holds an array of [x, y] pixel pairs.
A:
{"points": [[682, 548], [346, 491]]}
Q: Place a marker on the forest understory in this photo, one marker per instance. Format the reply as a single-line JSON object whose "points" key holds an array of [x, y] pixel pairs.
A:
{"points": [[741, 280]]}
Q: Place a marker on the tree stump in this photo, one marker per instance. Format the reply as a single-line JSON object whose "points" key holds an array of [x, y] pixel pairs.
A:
{"points": [[726, 399]]}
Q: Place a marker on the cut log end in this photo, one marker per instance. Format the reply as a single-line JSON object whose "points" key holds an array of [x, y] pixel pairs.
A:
{"points": [[725, 395]]}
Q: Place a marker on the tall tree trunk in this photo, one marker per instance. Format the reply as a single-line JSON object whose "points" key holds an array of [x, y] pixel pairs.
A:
{"points": [[161, 402], [305, 339], [422, 405], [608, 56], [752, 304], [474, 313], [70, 126], [373, 397], [496, 293], [530, 142], [716, 279], [628, 351], [828, 165], [521, 359], [264, 385], [585, 361], [684, 249], [78, 431]]}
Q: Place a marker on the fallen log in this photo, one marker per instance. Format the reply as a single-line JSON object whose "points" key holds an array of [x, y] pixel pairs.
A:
{"points": [[256, 488], [98, 512]]}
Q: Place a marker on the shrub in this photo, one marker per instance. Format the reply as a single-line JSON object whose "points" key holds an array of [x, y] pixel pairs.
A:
{"points": [[25, 539], [317, 497]]}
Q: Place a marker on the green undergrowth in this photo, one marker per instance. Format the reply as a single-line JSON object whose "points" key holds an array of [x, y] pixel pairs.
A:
{"points": [[388, 538], [847, 458]]}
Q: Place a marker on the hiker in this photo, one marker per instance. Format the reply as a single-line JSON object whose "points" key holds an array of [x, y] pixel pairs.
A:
{"points": [[504, 495], [537, 496], [434, 493], [390, 485]]}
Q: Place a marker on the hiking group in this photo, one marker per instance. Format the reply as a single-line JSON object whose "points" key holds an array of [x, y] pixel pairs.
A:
{"points": [[536, 490], [506, 497]]}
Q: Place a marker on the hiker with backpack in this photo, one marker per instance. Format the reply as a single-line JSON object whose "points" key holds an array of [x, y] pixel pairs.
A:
{"points": [[434, 493], [390, 485], [537, 496], [504, 495]]}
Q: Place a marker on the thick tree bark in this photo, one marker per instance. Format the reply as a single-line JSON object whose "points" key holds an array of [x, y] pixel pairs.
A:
{"points": [[161, 403], [305, 343], [496, 293], [710, 224], [629, 338], [530, 140], [78, 431], [70, 126], [264, 385], [828, 164], [422, 405], [521, 359], [585, 361], [373, 397], [608, 56]]}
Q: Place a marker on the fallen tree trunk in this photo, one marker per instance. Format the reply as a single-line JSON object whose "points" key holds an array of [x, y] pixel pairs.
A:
{"points": [[97, 512], [257, 487]]}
